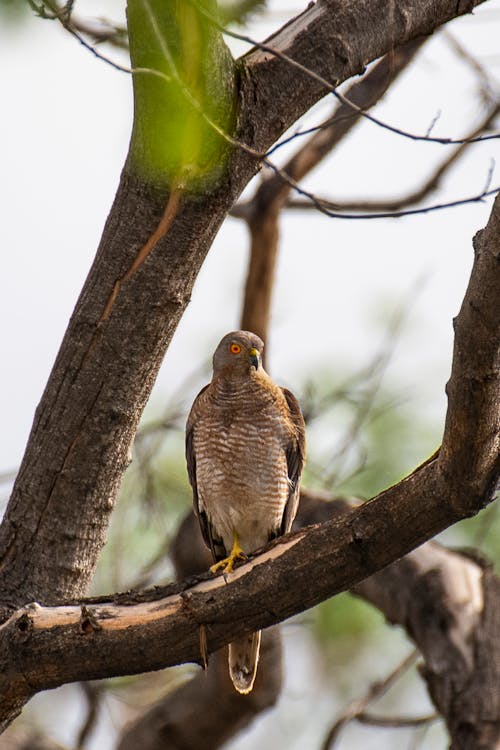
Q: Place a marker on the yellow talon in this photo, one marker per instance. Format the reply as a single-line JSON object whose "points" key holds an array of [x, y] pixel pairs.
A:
{"points": [[228, 563]]}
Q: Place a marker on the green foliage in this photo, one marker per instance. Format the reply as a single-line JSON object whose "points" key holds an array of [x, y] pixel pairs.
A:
{"points": [[183, 92]]}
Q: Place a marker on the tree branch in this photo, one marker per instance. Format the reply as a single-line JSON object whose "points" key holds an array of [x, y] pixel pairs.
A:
{"points": [[262, 211], [410, 199]]}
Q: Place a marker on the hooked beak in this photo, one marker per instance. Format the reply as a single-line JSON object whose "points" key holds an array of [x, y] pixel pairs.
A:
{"points": [[253, 356]]}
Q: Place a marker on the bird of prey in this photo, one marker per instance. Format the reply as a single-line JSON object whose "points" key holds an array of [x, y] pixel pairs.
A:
{"points": [[245, 449]]}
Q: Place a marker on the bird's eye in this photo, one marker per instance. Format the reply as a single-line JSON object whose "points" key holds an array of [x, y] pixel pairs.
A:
{"points": [[235, 348]]}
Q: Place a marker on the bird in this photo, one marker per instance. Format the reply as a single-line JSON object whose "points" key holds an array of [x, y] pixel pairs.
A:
{"points": [[245, 451]]}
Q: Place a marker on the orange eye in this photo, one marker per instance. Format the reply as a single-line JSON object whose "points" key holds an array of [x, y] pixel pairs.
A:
{"points": [[235, 348]]}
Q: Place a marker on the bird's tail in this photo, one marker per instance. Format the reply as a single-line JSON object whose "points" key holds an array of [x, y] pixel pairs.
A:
{"points": [[243, 660]]}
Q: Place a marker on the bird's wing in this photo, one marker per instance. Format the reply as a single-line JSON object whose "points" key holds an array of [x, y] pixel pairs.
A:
{"points": [[210, 538], [295, 451]]}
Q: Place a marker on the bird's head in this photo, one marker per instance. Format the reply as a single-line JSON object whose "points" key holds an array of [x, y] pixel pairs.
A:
{"points": [[238, 352]]}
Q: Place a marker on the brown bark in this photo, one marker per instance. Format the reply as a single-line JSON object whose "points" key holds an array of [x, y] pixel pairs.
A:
{"points": [[449, 605]]}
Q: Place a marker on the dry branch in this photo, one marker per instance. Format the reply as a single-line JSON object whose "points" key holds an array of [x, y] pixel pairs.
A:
{"points": [[404, 201], [263, 210]]}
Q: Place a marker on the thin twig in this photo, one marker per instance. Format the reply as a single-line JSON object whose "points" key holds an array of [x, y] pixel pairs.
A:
{"points": [[330, 209], [92, 694], [377, 690], [411, 198], [396, 722]]}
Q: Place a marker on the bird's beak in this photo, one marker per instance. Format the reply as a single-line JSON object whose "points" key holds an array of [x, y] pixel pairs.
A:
{"points": [[253, 356]]}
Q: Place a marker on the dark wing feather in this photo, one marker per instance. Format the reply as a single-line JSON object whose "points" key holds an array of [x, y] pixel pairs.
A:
{"points": [[295, 457], [211, 540]]}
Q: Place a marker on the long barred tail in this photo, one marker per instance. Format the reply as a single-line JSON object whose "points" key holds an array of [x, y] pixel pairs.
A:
{"points": [[243, 661]]}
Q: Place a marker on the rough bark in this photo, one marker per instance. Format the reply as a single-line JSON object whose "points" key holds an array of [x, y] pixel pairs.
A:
{"points": [[449, 605]]}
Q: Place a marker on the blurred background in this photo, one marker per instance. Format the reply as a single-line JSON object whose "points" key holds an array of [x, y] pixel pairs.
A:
{"points": [[361, 331]]}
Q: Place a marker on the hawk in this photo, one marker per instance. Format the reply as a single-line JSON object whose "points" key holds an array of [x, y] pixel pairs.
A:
{"points": [[245, 449]]}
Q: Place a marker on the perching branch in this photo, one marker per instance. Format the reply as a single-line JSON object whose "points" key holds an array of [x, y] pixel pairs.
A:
{"points": [[205, 711]]}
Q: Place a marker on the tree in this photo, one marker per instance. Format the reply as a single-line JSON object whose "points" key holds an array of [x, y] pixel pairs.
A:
{"points": [[169, 206]]}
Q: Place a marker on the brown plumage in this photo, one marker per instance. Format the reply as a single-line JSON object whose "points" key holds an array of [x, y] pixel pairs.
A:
{"points": [[245, 449]]}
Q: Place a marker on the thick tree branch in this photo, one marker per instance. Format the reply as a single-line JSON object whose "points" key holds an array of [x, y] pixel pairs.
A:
{"points": [[206, 711], [171, 626], [444, 601], [449, 606]]}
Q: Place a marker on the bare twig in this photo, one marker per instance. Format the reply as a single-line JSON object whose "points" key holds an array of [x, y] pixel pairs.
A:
{"points": [[323, 207], [411, 198], [375, 691], [262, 212], [396, 722], [330, 209], [92, 693]]}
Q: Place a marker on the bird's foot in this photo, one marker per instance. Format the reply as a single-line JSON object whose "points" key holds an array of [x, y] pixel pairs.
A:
{"points": [[227, 564]]}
